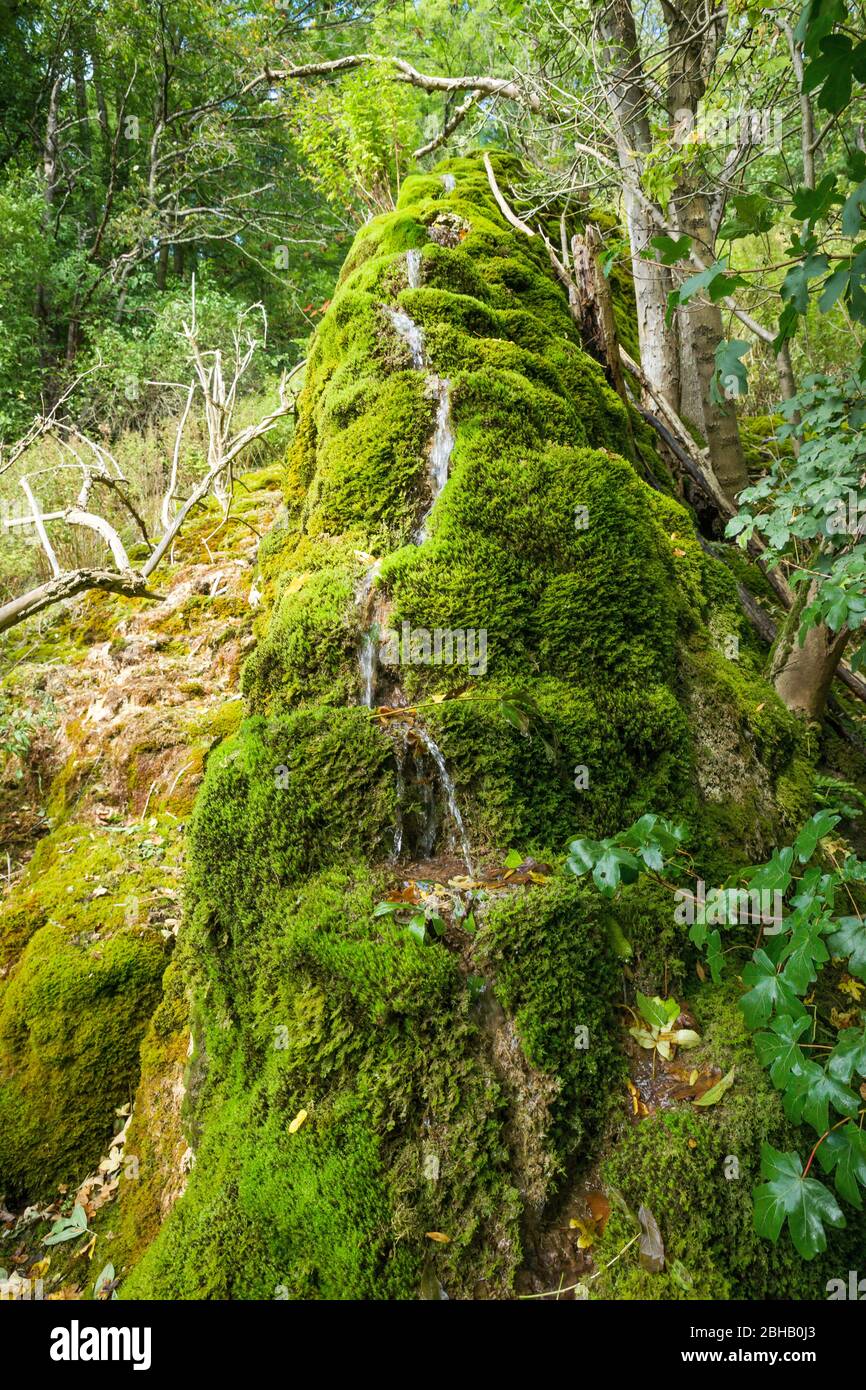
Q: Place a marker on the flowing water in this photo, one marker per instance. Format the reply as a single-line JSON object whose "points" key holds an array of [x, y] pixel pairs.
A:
{"points": [[440, 450], [372, 610], [410, 332], [438, 461], [413, 269], [450, 795]]}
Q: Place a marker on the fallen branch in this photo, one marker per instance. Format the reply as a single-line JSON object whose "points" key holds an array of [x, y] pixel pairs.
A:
{"points": [[506, 211], [65, 586]]}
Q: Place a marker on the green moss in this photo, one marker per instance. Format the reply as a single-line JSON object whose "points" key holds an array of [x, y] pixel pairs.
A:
{"points": [[71, 1017], [761, 448], [695, 1170], [427, 1106]]}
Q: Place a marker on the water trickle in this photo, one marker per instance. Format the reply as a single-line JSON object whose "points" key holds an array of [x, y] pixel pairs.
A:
{"points": [[410, 332], [450, 794], [449, 181], [371, 611], [441, 448], [413, 269], [402, 754]]}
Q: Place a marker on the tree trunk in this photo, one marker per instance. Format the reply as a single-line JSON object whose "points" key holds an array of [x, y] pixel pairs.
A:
{"points": [[627, 99], [803, 674], [692, 45]]}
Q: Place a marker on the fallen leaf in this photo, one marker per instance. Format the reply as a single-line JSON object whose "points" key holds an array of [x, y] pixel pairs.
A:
{"points": [[651, 1246], [588, 1232], [297, 1121], [439, 1237], [297, 583], [715, 1093]]}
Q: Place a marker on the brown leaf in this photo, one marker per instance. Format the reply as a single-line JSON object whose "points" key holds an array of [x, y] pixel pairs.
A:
{"points": [[651, 1247]]}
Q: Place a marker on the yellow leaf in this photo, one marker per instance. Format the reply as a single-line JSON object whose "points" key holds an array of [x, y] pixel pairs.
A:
{"points": [[297, 1121], [438, 1237], [852, 987], [693, 1077], [298, 583], [588, 1232]]}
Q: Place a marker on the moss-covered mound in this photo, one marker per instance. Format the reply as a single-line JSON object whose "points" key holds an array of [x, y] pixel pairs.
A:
{"points": [[72, 1014], [353, 1090]]}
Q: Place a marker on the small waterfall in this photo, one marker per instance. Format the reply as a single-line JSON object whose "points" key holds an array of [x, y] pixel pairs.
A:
{"points": [[450, 795], [410, 332], [368, 663], [401, 798], [440, 450], [413, 269], [449, 181]]}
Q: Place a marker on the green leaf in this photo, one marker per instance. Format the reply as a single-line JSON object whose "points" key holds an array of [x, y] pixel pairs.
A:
{"points": [[849, 1055], [768, 992], [513, 859], [582, 856], [802, 952], [730, 377], [804, 1201], [814, 830], [849, 942], [810, 1092], [669, 250], [779, 1050], [658, 1013], [388, 909], [417, 929], [715, 1093], [614, 865], [845, 1152], [67, 1228]]}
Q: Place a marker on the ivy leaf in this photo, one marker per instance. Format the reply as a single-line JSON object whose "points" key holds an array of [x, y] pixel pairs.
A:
{"points": [[582, 855], [849, 1055], [845, 1152], [614, 865], [805, 1201], [780, 1048], [802, 952], [810, 1092], [768, 992], [814, 830], [775, 875], [850, 942]]}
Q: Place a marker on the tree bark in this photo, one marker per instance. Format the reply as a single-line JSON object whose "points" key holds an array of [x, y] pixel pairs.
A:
{"points": [[803, 674], [627, 100]]}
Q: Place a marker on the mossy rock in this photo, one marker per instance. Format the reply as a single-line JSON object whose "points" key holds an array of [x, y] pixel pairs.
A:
{"points": [[351, 1090], [72, 1014], [695, 1169]]}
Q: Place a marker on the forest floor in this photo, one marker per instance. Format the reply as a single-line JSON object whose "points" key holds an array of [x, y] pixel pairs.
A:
{"points": [[126, 699]]}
